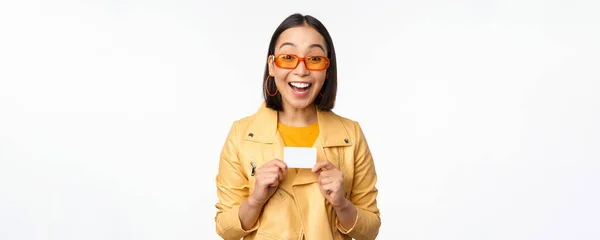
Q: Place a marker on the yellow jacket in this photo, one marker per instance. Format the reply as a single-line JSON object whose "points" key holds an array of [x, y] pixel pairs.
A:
{"points": [[298, 209]]}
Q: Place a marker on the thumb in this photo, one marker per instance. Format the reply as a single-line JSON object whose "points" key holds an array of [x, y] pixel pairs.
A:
{"points": [[323, 164]]}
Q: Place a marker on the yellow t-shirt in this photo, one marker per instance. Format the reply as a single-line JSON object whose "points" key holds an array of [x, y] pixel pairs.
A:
{"points": [[299, 136]]}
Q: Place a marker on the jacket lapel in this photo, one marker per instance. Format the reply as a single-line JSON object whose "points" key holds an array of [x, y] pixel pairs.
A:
{"points": [[263, 126], [332, 133]]}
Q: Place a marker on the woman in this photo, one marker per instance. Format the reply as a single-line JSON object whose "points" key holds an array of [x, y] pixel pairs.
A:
{"points": [[259, 197]]}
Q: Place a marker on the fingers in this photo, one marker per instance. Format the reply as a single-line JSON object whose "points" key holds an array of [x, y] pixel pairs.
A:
{"points": [[274, 184], [325, 181], [327, 177], [271, 173], [329, 188], [268, 177], [272, 180], [330, 173], [274, 166], [322, 165], [330, 181], [275, 170], [280, 164]]}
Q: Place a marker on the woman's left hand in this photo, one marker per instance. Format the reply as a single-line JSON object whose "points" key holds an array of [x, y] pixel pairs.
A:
{"points": [[331, 181]]}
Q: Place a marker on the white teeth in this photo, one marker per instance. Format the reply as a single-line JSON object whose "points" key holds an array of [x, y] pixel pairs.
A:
{"points": [[300, 85]]}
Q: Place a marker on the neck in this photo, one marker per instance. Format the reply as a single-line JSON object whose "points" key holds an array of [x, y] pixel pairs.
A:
{"points": [[298, 117]]}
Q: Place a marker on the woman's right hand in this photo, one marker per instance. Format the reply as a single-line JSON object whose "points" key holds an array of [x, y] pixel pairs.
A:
{"points": [[267, 180]]}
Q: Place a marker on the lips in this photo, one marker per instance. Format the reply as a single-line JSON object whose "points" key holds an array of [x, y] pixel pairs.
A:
{"points": [[300, 85], [300, 89]]}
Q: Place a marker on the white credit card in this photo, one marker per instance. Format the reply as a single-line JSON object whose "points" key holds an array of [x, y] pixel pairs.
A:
{"points": [[300, 157]]}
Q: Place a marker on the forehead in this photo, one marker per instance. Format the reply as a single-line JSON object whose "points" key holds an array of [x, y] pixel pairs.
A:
{"points": [[301, 38]]}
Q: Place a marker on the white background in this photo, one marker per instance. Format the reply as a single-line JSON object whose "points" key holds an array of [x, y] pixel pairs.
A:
{"points": [[483, 116]]}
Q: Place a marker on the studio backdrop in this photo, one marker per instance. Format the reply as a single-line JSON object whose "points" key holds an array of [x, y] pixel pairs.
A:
{"points": [[483, 117]]}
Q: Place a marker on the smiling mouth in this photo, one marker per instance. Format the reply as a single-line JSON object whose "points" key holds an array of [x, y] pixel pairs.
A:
{"points": [[300, 86]]}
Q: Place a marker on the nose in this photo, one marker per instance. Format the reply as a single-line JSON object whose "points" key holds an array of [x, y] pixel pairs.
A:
{"points": [[301, 70]]}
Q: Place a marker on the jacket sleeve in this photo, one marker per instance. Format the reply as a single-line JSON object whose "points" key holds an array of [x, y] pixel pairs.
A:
{"points": [[364, 193], [232, 190]]}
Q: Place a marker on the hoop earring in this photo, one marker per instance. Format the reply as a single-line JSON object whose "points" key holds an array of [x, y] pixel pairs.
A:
{"points": [[267, 87]]}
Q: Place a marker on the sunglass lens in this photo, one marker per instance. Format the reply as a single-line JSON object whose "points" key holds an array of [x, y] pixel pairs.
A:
{"points": [[316, 63], [286, 61]]}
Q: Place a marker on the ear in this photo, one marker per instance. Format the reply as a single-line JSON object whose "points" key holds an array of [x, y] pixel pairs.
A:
{"points": [[270, 64]]}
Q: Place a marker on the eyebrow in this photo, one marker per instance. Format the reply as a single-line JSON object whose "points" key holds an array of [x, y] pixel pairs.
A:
{"points": [[311, 46]]}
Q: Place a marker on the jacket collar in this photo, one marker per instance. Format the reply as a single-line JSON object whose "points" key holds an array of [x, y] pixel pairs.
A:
{"points": [[263, 128]]}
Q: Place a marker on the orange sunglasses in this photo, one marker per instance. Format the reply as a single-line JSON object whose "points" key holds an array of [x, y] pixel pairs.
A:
{"points": [[291, 61]]}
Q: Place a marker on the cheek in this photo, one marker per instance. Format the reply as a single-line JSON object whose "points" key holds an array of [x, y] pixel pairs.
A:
{"points": [[321, 81], [280, 75]]}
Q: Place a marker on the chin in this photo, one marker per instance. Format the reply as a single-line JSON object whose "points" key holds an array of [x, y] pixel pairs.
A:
{"points": [[300, 103]]}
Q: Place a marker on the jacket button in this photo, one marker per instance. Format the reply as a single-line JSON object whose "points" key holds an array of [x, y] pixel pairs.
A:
{"points": [[251, 134], [346, 140]]}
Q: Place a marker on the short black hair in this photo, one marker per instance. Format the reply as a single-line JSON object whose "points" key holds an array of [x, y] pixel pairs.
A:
{"points": [[325, 101]]}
